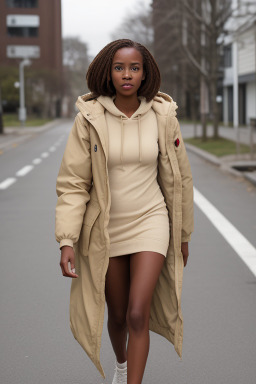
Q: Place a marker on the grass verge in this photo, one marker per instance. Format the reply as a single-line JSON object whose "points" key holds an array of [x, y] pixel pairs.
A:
{"points": [[11, 120], [220, 147]]}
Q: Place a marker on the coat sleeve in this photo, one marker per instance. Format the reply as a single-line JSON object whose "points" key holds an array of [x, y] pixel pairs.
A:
{"points": [[73, 184], [187, 185]]}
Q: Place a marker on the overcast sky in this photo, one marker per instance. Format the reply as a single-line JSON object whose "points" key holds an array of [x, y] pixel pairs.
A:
{"points": [[94, 20]]}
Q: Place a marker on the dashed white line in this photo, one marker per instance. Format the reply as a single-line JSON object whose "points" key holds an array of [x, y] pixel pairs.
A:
{"points": [[23, 171], [236, 240], [7, 182], [37, 161]]}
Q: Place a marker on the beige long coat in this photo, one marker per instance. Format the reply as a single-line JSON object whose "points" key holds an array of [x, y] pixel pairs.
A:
{"points": [[82, 216]]}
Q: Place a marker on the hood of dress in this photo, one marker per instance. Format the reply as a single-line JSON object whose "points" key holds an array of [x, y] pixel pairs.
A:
{"points": [[108, 103]]}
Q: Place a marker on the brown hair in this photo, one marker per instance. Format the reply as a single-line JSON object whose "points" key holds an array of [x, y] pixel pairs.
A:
{"points": [[99, 72]]}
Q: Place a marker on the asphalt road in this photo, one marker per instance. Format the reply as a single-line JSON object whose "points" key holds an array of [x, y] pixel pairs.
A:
{"points": [[218, 298]]}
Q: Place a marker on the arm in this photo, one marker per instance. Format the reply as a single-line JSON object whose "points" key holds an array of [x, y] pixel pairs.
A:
{"points": [[73, 185]]}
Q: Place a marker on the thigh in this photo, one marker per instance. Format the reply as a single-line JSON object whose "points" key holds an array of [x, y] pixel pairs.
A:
{"points": [[145, 268], [117, 286]]}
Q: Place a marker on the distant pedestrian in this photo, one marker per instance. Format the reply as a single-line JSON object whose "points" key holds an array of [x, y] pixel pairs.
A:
{"points": [[124, 213]]}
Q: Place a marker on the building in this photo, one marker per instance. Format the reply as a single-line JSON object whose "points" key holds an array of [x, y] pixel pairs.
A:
{"points": [[240, 69], [32, 29]]}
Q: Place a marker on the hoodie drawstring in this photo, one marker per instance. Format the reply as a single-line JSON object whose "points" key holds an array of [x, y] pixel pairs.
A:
{"points": [[122, 139], [139, 132]]}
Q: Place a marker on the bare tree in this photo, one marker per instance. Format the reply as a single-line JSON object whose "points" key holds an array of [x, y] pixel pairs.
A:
{"points": [[137, 26], [75, 65], [212, 19], [179, 77], [190, 34]]}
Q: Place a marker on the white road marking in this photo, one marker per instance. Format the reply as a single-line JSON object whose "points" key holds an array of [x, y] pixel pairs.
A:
{"points": [[37, 161], [236, 240], [23, 171], [7, 182]]}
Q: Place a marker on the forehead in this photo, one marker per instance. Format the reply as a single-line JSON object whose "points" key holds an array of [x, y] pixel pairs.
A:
{"points": [[128, 54]]}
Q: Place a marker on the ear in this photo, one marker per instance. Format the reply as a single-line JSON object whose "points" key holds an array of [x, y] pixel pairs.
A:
{"points": [[144, 75]]}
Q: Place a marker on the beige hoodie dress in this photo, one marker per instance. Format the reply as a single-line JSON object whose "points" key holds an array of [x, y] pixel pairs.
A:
{"points": [[138, 214]]}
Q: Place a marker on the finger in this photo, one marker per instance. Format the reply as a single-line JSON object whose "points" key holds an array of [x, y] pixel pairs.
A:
{"points": [[68, 273], [62, 270], [65, 270], [185, 259], [72, 266]]}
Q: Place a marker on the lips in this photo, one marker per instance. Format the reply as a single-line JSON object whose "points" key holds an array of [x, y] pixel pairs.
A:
{"points": [[127, 86]]}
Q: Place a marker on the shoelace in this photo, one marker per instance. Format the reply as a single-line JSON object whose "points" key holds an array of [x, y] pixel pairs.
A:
{"points": [[121, 375]]}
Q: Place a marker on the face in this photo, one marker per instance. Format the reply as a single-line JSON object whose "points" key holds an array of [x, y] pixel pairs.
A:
{"points": [[127, 71]]}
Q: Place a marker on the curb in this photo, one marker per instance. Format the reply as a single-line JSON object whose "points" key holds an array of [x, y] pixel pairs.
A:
{"points": [[226, 163]]}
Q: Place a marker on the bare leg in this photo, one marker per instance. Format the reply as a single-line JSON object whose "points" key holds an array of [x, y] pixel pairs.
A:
{"points": [[117, 296], [145, 268]]}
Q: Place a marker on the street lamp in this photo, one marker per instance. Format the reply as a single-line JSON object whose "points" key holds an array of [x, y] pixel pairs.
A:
{"points": [[22, 109]]}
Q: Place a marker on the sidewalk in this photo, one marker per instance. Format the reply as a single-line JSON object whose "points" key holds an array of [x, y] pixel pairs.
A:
{"points": [[13, 136], [226, 163], [226, 132]]}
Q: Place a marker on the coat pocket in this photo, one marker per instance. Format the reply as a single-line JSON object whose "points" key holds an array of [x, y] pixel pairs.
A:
{"points": [[91, 214]]}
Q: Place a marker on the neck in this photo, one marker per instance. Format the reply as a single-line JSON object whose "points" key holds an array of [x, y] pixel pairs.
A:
{"points": [[127, 105]]}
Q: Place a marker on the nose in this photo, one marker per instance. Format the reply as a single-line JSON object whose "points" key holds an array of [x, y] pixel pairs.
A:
{"points": [[127, 74]]}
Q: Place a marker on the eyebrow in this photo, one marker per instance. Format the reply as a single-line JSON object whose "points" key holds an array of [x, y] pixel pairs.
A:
{"points": [[119, 62]]}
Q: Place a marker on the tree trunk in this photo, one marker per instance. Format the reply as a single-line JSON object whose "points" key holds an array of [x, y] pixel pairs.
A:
{"points": [[204, 107], [215, 109]]}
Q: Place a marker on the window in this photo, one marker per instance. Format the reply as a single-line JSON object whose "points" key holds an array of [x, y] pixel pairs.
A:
{"points": [[22, 31], [228, 56], [22, 3]]}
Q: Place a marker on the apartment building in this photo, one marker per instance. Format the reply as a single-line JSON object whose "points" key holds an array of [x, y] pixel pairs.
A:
{"points": [[31, 29]]}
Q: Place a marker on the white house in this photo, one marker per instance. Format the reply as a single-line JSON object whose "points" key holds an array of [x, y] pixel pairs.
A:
{"points": [[239, 83]]}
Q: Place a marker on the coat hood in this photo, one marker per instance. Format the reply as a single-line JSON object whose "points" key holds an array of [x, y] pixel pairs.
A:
{"points": [[109, 105]]}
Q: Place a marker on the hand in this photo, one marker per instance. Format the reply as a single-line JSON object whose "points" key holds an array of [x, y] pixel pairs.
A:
{"points": [[67, 256], [185, 253]]}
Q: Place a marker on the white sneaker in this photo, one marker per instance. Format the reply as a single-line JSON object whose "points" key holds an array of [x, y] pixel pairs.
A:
{"points": [[120, 376]]}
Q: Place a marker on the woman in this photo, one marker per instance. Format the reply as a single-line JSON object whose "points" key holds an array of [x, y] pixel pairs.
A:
{"points": [[124, 214]]}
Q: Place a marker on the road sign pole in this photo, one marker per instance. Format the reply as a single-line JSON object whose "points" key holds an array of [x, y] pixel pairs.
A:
{"points": [[22, 110]]}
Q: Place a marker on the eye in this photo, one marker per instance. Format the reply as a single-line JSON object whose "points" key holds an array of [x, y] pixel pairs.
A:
{"points": [[118, 68], [135, 69]]}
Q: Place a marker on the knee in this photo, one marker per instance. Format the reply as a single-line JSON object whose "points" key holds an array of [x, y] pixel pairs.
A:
{"points": [[117, 318], [136, 319]]}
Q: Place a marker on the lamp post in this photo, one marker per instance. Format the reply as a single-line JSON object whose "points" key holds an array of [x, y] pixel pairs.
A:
{"points": [[22, 109]]}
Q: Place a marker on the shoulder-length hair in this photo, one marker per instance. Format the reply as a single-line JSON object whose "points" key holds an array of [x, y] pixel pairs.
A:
{"points": [[99, 72]]}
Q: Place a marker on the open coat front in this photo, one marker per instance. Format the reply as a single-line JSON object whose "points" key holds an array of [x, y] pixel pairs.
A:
{"points": [[82, 216]]}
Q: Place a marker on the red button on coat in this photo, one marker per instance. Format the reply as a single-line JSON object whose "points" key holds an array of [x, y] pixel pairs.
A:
{"points": [[177, 142]]}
